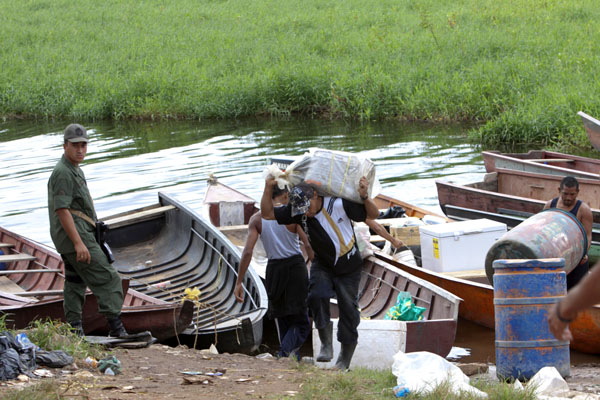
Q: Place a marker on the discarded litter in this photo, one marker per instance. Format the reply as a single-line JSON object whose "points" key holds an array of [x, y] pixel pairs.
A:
{"points": [[400, 391], [91, 361], [108, 371], [110, 362], [423, 371], [202, 373]]}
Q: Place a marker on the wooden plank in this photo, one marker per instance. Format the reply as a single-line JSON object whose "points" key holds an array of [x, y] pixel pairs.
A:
{"points": [[472, 273], [6, 285], [136, 217], [6, 245], [16, 257], [28, 271], [56, 292], [377, 238], [549, 159], [16, 298]]}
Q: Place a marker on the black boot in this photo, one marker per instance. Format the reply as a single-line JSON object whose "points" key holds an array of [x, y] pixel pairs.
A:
{"points": [[77, 328], [116, 327], [345, 356], [325, 335]]}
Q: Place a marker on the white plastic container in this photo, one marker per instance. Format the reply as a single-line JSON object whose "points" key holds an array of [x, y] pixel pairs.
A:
{"points": [[458, 246], [378, 341]]}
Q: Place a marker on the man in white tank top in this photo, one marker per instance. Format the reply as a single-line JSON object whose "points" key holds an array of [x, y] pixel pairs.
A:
{"points": [[286, 278]]}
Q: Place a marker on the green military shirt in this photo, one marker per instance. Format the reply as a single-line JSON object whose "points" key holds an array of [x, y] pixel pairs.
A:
{"points": [[67, 188]]}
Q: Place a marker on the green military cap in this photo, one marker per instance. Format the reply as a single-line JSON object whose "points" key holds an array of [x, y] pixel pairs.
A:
{"points": [[76, 133]]}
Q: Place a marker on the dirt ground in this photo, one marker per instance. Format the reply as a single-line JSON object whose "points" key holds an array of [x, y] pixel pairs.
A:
{"points": [[157, 372]]}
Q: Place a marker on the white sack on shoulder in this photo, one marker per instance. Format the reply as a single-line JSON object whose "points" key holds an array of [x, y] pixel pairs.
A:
{"points": [[423, 371], [334, 173]]}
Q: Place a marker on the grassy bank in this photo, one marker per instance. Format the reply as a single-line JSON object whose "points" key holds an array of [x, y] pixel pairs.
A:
{"points": [[521, 68]]}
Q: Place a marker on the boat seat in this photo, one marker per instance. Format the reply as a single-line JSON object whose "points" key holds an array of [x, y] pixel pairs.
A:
{"points": [[549, 159], [28, 271], [16, 257], [6, 245], [137, 217], [467, 274], [9, 286]]}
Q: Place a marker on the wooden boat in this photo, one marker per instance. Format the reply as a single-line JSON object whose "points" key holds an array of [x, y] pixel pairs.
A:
{"points": [[31, 288], [495, 198], [167, 248], [379, 288], [478, 303], [592, 128], [543, 162]]}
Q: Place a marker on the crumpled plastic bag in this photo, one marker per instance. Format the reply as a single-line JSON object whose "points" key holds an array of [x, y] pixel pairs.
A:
{"points": [[14, 359], [53, 359], [111, 362], [548, 382], [363, 241], [330, 172], [405, 309], [423, 371]]}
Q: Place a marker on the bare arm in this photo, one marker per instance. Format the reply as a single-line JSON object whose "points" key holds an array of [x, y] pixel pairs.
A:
{"points": [[587, 220], [266, 202], [304, 239], [66, 220], [547, 205], [381, 231], [372, 210], [253, 232], [585, 294]]}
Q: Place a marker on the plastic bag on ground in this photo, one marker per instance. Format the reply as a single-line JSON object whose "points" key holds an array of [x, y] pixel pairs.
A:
{"points": [[111, 362], [548, 381], [53, 359], [334, 173], [423, 371]]}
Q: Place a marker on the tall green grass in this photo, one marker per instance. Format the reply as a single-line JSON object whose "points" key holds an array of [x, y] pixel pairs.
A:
{"points": [[521, 69]]}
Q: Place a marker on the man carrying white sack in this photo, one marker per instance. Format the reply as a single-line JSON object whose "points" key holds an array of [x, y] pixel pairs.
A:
{"points": [[336, 269]]}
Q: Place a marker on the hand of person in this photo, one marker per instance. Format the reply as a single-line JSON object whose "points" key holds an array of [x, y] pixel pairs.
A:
{"points": [[83, 254], [397, 243], [363, 188], [239, 292], [559, 329], [270, 181]]}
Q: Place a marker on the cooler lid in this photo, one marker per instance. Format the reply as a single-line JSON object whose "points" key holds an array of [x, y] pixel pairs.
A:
{"points": [[463, 228]]}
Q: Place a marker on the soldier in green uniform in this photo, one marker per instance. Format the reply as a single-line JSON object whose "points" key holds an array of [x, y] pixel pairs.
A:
{"points": [[72, 216]]}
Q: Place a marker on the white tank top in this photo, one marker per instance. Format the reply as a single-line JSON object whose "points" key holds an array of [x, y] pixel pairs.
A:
{"points": [[278, 241]]}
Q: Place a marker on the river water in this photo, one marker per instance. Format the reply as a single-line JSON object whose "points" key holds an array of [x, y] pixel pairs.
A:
{"points": [[128, 163]]}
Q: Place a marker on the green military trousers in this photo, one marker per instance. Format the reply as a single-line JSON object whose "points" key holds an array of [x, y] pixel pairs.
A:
{"points": [[102, 279]]}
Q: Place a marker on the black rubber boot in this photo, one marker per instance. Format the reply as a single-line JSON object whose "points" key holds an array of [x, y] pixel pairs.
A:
{"points": [[116, 327], [77, 328], [326, 335], [343, 361]]}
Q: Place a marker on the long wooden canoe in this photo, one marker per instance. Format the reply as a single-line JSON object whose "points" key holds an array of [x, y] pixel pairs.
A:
{"points": [[31, 288], [167, 248], [592, 128], [508, 191], [543, 162], [379, 288]]}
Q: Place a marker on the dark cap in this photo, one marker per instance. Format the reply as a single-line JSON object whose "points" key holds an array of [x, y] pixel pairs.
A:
{"points": [[299, 198], [76, 133]]}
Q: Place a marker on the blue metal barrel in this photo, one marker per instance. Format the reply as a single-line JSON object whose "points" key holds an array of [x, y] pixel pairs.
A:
{"points": [[524, 292]]}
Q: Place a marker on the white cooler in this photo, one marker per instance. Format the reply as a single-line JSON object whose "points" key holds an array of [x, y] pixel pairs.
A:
{"points": [[458, 246]]}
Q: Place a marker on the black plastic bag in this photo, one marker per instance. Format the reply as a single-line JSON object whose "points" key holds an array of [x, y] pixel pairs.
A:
{"points": [[53, 359]]}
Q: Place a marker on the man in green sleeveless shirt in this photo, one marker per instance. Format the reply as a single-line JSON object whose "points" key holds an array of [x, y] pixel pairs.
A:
{"points": [[72, 216]]}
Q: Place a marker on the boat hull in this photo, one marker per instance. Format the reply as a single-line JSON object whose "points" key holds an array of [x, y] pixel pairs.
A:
{"points": [[543, 162], [592, 129], [140, 313], [165, 253]]}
